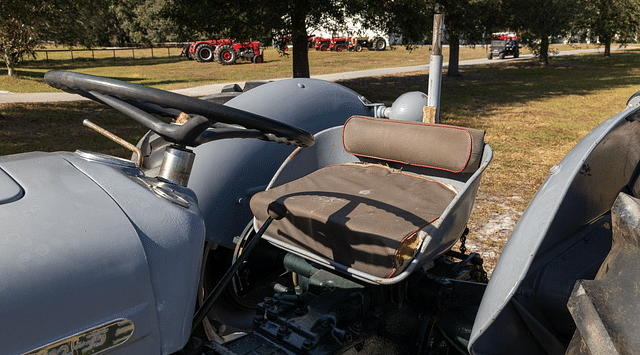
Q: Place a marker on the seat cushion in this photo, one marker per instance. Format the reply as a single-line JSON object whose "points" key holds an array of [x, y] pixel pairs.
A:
{"points": [[362, 216]]}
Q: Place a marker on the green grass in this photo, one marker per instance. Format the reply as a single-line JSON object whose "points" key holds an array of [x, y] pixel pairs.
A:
{"points": [[533, 116], [175, 73], [58, 127]]}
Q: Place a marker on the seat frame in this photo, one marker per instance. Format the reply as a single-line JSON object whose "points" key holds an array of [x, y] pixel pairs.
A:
{"points": [[439, 236]]}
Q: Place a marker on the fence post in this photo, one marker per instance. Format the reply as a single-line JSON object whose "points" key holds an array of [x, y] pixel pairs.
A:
{"points": [[114, 54], [151, 52]]}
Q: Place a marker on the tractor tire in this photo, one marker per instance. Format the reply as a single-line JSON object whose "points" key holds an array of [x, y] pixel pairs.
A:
{"points": [[324, 47], [216, 53], [501, 55], [339, 48], [380, 44], [186, 53], [358, 48], [258, 59], [490, 55], [204, 53], [227, 55]]}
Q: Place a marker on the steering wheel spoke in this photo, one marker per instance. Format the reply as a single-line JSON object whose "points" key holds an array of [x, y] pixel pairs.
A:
{"points": [[139, 102], [185, 134]]}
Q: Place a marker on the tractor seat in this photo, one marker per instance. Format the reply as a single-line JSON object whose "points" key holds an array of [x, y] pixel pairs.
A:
{"points": [[367, 215]]}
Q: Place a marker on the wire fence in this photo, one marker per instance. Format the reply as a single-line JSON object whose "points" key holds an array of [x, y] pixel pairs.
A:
{"points": [[172, 50]]}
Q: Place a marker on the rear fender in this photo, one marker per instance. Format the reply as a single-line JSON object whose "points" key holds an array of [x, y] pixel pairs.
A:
{"points": [[564, 235]]}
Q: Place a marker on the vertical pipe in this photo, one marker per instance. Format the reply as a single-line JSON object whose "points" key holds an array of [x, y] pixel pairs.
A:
{"points": [[435, 70]]}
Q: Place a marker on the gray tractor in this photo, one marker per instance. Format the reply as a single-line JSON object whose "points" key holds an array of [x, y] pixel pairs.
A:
{"points": [[214, 239]]}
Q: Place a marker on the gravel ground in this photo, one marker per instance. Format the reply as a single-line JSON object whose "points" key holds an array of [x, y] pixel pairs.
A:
{"points": [[489, 235]]}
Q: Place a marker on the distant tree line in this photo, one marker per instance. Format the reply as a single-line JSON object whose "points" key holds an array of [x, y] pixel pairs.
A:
{"points": [[24, 24]]}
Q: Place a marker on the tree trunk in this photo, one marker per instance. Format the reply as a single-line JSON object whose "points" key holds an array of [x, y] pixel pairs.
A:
{"points": [[544, 50], [10, 65], [300, 49], [454, 55], [607, 47]]}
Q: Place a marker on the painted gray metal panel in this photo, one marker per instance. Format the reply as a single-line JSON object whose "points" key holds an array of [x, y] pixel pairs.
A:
{"points": [[62, 269], [9, 189], [328, 150], [576, 195], [90, 243], [173, 240], [227, 173]]}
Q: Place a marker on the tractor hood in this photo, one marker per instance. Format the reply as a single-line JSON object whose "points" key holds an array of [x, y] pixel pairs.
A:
{"points": [[9, 189], [80, 263]]}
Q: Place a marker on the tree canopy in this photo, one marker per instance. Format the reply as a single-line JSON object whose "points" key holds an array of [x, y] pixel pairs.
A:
{"points": [[538, 21], [606, 20], [18, 35], [468, 22], [24, 24], [266, 21]]}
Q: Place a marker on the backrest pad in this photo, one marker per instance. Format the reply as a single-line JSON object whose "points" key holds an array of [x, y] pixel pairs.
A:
{"points": [[449, 148]]}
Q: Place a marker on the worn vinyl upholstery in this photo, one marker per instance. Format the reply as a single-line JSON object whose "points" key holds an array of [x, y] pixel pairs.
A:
{"points": [[442, 147], [369, 216]]}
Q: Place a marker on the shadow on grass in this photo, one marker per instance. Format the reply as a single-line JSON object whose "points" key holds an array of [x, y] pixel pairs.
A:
{"points": [[36, 76], [488, 87], [481, 91], [81, 63], [35, 70], [58, 127]]}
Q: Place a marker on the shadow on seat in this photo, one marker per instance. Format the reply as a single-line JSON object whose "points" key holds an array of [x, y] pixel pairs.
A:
{"points": [[387, 197]]}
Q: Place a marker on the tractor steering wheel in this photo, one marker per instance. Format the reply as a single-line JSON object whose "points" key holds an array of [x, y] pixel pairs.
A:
{"points": [[139, 102]]}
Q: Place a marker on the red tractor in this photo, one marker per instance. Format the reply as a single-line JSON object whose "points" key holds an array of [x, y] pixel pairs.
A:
{"points": [[225, 51], [228, 53], [322, 44], [203, 51], [331, 44], [339, 44]]}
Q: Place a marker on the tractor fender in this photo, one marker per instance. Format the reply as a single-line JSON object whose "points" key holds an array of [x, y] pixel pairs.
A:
{"points": [[227, 173]]}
